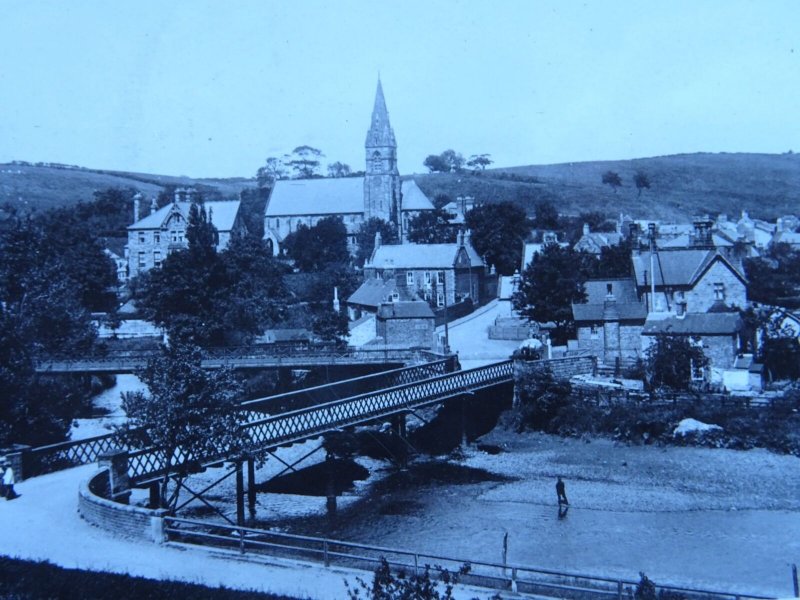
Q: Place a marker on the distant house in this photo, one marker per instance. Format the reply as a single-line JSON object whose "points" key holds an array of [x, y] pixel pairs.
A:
{"points": [[406, 324], [163, 231], [433, 271], [594, 242], [116, 250], [373, 293], [609, 324]]}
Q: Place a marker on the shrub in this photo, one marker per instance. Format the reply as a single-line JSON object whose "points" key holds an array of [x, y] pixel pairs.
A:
{"points": [[390, 586]]}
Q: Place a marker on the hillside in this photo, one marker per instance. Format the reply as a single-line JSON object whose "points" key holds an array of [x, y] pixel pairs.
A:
{"points": [[32, 187], [682, 185]]}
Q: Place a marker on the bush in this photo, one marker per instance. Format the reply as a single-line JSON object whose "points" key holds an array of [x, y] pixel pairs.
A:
{"points": [[390, 586]]}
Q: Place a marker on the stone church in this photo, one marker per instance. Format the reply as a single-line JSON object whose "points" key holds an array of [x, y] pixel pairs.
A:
{"points": [[380, 193]]}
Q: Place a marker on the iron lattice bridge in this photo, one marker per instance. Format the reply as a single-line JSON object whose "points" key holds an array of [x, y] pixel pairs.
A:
{"points": [[63, 455], [268, 433], [236, 358]]}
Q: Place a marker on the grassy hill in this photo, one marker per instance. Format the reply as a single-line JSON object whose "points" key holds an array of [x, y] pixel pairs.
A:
{"points": [[39, 187], [683, 185]]}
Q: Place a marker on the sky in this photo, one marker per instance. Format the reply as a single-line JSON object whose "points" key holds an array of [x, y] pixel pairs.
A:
{"points": [[212, 88]]}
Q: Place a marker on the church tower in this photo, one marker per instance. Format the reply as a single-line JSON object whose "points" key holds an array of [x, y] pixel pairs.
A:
{"points": [[382, 180]]}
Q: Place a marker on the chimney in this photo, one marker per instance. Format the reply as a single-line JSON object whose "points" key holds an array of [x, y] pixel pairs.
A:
{"points": [[610, 312], [702, 232], [336, 305], [137, 199], [468, 237], [377, 240], [633, 230], [469, 203], [179, 192], [585, 229], [460, 238], [153, 205]]}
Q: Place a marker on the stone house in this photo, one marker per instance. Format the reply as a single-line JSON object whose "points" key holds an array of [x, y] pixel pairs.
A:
{"points": [[163, 231], [594, 242], [379, 193], [609, 324], [717, 333], [530, 249], [433, 271], [374, 292], [406, 324]]}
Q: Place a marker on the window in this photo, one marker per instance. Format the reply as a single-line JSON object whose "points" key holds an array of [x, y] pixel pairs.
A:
{"points": [[142, 260], [157, 237], [440, 277], [141, 237], [719, 291], [427, 277], [157, 258], [594, 333], [277, 223], [409, 278], [395, 297], [439, 299]]}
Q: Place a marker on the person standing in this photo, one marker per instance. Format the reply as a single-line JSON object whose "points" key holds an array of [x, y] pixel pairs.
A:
{"points": [[2, 473], [561, 491], [8, 482]]}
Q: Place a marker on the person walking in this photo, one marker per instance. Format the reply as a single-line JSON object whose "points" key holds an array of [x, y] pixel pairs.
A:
{"points": [[561, 491], [2, 472], [8, 482]]}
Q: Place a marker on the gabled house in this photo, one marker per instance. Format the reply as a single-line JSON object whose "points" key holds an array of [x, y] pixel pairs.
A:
{"points": [[529, 249], [374, 292], [594, 242], [609, 324], [163, 231], [433, 271]]}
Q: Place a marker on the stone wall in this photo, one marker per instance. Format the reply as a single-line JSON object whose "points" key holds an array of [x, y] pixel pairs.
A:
{"points": [[406, 332], [120, 519], [562, 368], [701, 296]]}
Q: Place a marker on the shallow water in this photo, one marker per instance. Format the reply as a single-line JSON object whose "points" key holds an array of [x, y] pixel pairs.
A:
{"points": [[110, 401]]}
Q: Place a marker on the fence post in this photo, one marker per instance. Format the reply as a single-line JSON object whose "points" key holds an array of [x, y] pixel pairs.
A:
{"points": [[795, 582], [514, 580], [416, 565], [325, 553], [241, 541], [619, 590]]}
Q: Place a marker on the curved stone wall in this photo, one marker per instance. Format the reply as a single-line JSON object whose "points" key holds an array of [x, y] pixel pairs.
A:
{"points": [[119, 519]]}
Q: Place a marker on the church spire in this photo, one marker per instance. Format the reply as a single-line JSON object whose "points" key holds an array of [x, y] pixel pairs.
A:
{"points": [[380, 133]]}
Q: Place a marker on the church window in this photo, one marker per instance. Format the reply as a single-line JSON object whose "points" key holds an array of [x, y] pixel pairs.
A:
{"points": [[376, 160], [409, 278]]}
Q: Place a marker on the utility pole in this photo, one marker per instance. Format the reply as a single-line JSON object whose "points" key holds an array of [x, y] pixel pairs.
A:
{"points": [[446, 330]]}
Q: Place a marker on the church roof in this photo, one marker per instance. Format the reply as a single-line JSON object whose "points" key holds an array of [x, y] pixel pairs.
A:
{"points": [[329, 196], [222, 214], [413, 197]]}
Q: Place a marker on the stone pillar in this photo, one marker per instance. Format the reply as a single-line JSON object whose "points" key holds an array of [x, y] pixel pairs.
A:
{"points": [[15, 455], [155, 495], [116, 461], [251, 487], [239, 493]]}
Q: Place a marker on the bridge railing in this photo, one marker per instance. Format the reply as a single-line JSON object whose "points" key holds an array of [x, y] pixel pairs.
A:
{"points": [[280, 403], [54, 457], [516, 577], [298, 425]]}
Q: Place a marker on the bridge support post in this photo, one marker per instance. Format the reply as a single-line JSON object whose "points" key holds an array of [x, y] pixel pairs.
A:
{"points": [[330, 485], [251, 487], [239, 493], [399, 429], [155, 495]]}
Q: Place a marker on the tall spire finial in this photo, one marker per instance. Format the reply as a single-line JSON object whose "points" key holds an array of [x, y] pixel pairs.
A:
{"points": [[380, 131]]}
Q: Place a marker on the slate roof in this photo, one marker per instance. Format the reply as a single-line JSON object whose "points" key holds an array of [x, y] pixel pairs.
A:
{"points": [[413, 197], [374, 291], [628, 307], [685, 240], [328, 196], [222, 214], [677, 266], [695, 324], [405, 310], [787, 237], [594, 241], [421, 256]]}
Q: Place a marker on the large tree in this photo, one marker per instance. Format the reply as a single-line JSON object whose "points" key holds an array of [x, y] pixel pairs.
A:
{"points": [[304, 161], [498, 231], [479, 162], [189, 413], [339, 169], [446, 162], [551, 283], [365, 238], [272, 170], [206, 298], [641, 181], [312, 248], [673, 360], [774, 278], [613, 179], [431, 227]]}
